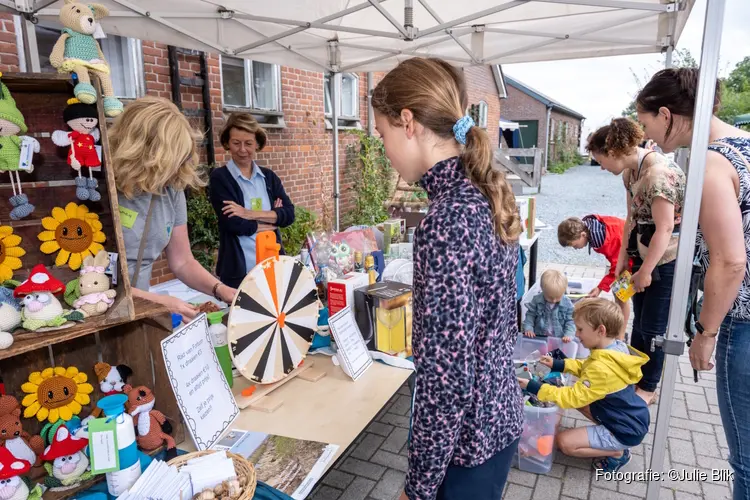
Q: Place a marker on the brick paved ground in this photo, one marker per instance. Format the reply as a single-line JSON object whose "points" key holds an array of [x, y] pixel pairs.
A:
{"points": [[374, 468]]}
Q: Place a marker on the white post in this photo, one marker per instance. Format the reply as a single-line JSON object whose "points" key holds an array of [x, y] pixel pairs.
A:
{"points": [[674, 344], [370, 117], [335, 82], [546, 142], [32, 50]]}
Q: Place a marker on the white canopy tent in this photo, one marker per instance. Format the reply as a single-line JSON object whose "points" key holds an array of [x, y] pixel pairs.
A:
{"points": [[374, 35]]}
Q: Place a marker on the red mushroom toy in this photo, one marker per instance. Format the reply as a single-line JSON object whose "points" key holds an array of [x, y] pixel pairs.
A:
{"points": [[12, 485], [66, 463], [40, 307]]}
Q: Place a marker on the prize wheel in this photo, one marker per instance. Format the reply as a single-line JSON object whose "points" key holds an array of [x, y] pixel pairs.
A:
{"points": [[273, 319]]}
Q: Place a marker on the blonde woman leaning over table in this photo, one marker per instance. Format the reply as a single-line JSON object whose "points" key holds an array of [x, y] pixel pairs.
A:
{"points": [[153, 156]]}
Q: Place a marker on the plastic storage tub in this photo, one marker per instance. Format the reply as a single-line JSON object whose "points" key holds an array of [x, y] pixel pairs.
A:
{"points": [[536, 449], [525, 346]]}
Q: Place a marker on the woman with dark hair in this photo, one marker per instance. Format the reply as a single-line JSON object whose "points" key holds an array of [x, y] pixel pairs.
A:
{"points": [[655, 191], [665, 108]]}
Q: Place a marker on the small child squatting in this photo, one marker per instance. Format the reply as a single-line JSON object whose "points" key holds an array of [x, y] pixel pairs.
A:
{"points": [[605, 391], [550, 313], [603, 234]]}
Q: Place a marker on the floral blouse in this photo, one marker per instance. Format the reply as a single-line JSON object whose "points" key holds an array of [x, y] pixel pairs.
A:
{"points": [[467, 403], [662, 179]]}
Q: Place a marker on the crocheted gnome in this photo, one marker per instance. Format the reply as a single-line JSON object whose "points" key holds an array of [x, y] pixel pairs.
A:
{"points": [[82, 120], [41, 309], [10, 316], [96, 296], [12, 485], [11, 124], [67, 464], [77, 51]]}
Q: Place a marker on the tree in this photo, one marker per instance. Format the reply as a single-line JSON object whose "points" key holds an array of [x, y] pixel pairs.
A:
{"points": [[735, 92]]}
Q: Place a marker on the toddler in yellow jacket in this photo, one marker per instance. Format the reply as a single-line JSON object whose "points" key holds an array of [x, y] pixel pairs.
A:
{"points": [[605, 391]]}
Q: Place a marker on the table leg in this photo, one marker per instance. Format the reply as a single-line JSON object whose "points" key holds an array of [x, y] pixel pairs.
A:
{"points": [[533, 255]]}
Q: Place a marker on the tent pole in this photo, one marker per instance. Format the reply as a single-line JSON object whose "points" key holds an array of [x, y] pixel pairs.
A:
{"points": [[335, 82], [370, 117], [674, 344]]}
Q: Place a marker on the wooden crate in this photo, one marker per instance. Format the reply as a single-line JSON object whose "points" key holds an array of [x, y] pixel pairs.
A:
{"points": [[135, 343], [42, 97]]}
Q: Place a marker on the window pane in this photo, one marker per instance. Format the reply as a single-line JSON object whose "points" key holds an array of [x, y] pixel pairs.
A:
{"points": [[233, 81], [348, 95], [46, 37], [327, 94], [117, 53], [264, 86]]}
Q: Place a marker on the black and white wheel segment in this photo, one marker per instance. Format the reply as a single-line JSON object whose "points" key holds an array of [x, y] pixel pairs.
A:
{"points": [[273, 319]]}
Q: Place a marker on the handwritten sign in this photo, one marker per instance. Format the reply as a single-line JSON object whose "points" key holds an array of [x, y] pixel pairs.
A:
{"points": [[199, 385], [352, 351]]}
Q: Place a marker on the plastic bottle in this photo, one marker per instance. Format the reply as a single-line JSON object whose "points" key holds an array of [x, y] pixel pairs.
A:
{"points": [[118, 482], [219, 339], [176, 320]]}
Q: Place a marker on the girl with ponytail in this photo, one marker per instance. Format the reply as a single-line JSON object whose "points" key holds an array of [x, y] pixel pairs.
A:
{"points": [[467, 412]]}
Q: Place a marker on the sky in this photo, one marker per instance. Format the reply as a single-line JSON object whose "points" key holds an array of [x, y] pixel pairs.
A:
{"points": [[601, 88]]}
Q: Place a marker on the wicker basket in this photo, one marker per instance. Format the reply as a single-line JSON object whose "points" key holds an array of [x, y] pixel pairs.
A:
{"points": [[242, 467]]}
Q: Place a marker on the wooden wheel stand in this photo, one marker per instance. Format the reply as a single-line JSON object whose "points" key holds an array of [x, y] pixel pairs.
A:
{"points": [[131, 331], [258, 396]]}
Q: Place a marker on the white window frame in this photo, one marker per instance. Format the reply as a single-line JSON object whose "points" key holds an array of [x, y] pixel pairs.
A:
{"points": [[348, 121], [249, 104], [483, 111]]}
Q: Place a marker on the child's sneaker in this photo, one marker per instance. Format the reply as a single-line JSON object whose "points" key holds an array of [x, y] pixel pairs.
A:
{"points": [[609, 464]]}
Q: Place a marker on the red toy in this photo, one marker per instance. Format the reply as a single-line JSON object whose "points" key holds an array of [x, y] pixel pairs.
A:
{"points": [[82, 137]]}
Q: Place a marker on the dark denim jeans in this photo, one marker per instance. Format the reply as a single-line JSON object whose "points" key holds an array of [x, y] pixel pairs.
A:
{"points": [[483, 482], [650, 316], [733, 393]]}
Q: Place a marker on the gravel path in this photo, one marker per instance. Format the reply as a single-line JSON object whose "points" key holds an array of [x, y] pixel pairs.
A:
{"points": [[579, 191]]}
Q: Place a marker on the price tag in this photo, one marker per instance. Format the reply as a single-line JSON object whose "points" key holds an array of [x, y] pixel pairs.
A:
{"points": [[127, 217], [256, 204], [103, 446]]}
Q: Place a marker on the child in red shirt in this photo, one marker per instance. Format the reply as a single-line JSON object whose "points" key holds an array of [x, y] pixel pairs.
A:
{"points": [[603, 234]]}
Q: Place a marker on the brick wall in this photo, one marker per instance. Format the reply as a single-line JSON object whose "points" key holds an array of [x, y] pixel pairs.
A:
{"points": [[573, 136], [520, 106], [481, 87], [8, 48]]}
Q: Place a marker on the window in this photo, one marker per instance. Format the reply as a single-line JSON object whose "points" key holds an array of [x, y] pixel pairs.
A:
{"points": [[250, 84], [478, 113], [348, 102], [123, 55]]}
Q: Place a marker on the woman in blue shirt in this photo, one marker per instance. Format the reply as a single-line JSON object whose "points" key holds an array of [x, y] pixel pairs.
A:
{"points": [[247, 199]]}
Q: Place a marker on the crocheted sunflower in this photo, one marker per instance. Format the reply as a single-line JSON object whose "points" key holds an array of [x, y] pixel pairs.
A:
{"points": [[75, 232], [10, 253], [56, 393]]}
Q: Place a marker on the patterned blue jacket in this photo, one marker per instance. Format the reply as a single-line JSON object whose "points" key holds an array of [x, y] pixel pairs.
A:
{"points": [[562, 317]]}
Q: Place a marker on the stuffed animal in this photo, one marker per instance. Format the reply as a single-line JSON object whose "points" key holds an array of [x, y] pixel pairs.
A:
{"points": [[82, 120], [11, 124], [41, 309], [66, 463], [12, 485], [96, 296], [112, 380], [152, 428], [77, 51], [10, 316], [13, 437]]}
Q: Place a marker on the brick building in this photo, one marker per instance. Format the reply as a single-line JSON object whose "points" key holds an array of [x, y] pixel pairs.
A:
{"points": [[293, 105], [543, 120]]}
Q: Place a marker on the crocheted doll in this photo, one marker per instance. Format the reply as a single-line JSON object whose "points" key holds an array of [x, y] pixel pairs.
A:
{"points": [[112, 380], [12, 485], [11, 124], [82, 120], [67, 464], [10, 317], [152, 428], [77, 51], [96, 296], [41, 309], [13, 437]]}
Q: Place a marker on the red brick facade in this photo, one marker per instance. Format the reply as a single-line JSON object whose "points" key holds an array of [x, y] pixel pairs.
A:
{"points": [[301, 153]]}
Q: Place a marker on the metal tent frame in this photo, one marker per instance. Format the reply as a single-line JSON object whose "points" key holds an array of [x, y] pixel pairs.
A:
{"points": [[373, 40]]}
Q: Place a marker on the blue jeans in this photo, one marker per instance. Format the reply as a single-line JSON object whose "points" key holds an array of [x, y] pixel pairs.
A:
{"points": [[483, 482], [733, 393], [650, 316]]}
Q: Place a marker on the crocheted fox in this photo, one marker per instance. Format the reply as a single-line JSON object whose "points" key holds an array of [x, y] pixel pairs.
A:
{"points": [[151, 425]]}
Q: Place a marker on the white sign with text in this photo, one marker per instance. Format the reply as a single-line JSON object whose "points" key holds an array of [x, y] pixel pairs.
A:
{"points": [[351, 349]]}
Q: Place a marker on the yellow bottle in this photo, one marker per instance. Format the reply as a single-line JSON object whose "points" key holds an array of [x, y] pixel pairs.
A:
{"points": [[370, 266]]}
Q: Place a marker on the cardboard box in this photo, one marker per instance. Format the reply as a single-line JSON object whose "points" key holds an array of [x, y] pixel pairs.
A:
{"points": [[384, 317], [341, 291]]}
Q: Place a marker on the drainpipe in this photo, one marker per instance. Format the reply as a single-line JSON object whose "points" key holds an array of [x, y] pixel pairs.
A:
{"points": [[546, 144]]}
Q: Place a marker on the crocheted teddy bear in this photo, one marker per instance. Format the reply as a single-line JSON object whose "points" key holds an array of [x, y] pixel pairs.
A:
{"points": [[12, 123], [96, 296], [13, 437], [77, 51], [152, 428], [82, 120]]}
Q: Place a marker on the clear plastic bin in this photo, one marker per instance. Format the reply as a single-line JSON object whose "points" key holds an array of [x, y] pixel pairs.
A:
{"points": [[525, 346], [536, 449]]}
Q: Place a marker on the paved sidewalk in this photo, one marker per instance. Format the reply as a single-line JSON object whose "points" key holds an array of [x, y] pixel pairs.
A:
{"points": [[374, 468]]}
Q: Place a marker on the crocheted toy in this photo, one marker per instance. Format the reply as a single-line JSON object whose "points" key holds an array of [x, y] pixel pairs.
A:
{"points": [[56, 393], [77, 51], [13, 437], [152, 428], [112, 380], [96, 296], [82, 120], [10, 253], [74, 425], [67, 464], [41, 309], [12, 485], [75, 232], [10, 317], [11, 124]]}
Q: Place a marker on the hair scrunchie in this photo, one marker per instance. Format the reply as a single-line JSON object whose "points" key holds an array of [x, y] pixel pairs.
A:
{"points": [[462, 127]]}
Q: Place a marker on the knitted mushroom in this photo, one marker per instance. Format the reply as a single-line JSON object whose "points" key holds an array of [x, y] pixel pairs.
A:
{"points": [[67, 464], [40, 306], [12, 485]]}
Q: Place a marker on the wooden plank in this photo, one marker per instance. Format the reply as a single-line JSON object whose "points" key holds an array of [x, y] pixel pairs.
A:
{"points": [[520, 151], [118, 346]]}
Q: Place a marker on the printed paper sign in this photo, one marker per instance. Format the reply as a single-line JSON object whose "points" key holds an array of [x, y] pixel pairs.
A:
{"points": [[199, 385], [352, 350]]}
